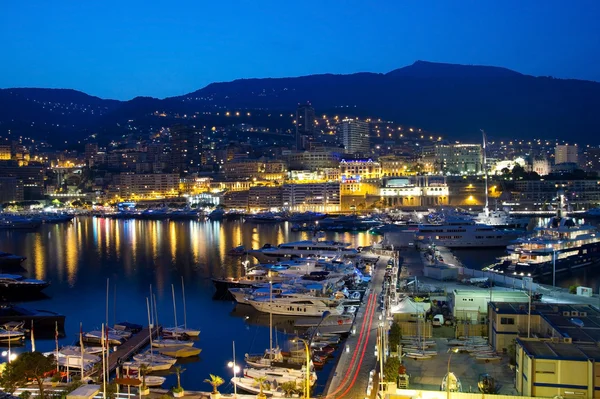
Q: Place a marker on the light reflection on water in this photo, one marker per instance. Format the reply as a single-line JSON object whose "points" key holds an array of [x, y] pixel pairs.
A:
{"points": [[78, 257]]}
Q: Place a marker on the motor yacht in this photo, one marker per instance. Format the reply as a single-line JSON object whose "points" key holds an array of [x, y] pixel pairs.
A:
{"points": [[302, 249], [294, 306], [560, 246], [461, 232]]}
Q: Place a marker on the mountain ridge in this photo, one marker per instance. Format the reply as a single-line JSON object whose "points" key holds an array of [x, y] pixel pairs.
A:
{"points": [[450, 99]]}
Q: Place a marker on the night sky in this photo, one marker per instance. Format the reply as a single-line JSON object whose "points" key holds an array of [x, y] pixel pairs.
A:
{"points": [[127, 48]]}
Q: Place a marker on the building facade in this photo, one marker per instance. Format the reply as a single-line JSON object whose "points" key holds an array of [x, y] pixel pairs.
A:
{"points": [[11, 189], [566, 154], [305, 125], [152, 185], [355, 136], [359, 169], [459, 158], [186, 149], [314, 197], [314, 160]]}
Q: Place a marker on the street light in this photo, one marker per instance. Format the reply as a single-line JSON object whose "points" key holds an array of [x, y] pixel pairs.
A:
{"points": [[236, 369], [451, 351], [307, 371]]}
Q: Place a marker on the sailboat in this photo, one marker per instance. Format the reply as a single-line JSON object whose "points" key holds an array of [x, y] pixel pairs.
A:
{"points": [[178, 330], [154, 362], [167, 342]]}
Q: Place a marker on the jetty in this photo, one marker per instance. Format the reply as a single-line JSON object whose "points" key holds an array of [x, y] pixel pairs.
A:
{"points": [[130, 347]]}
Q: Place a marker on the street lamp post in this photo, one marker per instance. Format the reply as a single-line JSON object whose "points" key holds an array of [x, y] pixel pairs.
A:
{"points": [[451, 351], [554, 268], [236, 370], [307, 371]]}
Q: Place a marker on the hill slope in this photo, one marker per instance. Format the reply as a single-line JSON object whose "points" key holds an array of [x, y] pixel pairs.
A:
{"points": [[454, 100]]}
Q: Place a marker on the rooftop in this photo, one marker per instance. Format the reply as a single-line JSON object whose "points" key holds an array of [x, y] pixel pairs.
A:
{"points": [[561, 351]]}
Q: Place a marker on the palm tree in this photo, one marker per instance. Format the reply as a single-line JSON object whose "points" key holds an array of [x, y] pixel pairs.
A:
{"points": [[289, 388], [178, 371], [262, 384], [215, 381]]}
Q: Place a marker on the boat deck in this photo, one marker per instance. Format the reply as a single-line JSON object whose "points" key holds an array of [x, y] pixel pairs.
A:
{"points": [[131, 347]]}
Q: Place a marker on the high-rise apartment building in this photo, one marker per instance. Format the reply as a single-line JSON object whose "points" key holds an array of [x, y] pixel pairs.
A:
{"points": [[305, 125], [355, 136], [186, 149], [566, 154], [459, 158]]}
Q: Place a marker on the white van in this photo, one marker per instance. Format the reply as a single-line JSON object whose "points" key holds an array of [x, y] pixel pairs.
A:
{"points": [[438, 320]]}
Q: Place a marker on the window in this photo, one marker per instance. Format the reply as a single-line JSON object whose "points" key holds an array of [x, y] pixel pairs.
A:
{"points": [[507, 320]]}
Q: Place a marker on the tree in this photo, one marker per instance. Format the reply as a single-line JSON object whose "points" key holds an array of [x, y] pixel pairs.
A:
{"points": [[178, 371], [262, 384], [28, 366], [9, 381], [395, 336], [390, 369], [289, 388], [215, 381]]}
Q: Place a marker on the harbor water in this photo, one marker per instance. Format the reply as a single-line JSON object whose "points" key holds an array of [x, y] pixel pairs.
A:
{"points": [[78, 258]]}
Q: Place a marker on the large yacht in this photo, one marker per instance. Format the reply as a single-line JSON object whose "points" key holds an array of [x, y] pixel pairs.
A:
{"points": [[302, 249], [561, 245], [294, 306], [459, 232], [502, 219]]}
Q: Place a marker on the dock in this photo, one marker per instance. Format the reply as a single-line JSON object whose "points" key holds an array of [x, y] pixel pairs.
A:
{"points": [[130, 347], [350, 376]]}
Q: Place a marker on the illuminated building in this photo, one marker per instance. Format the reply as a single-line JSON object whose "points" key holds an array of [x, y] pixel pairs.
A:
{"points": [[5, 153], [359, 169], [459, 158], [255, 168], [186, 149], [355, 136], [414, 191], [566, 154], [560, 357], [314, 197], [154, 185], [314, 160], [393, 166], [31, 176], [305, 125], [264, 197], [11, 189]]}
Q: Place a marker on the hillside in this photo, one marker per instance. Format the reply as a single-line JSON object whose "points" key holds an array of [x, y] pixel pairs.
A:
{"points": [[454, 100]]}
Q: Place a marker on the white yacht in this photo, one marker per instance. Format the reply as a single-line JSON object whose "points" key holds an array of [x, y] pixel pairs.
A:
{"points": [[502, 219], [302, 249], [280, 374], [294, 306], [561, 245], [464, 233]]}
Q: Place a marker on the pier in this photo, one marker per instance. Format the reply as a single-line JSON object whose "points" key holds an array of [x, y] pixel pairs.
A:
{"points": [[350, 376], [130, 347]]}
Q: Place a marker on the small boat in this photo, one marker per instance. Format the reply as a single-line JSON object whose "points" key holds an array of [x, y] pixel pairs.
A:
{"points": [[155, 380], [417, 356], [16, 285], [11, 336], [451, 383], [488, 358], [152, 366], [181, 331], [98, 336], [179, 351], [271, 387], [237, 251], [165, 343], [153, 357]]}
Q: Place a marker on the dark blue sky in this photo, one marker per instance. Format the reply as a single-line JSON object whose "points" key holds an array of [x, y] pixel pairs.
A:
{"points": [[122, 49]]}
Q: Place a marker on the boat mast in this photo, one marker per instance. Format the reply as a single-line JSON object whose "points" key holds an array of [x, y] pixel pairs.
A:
{"points": [[271, 323], [184, 309], [174, 308], [150, 326], [486, 209]]}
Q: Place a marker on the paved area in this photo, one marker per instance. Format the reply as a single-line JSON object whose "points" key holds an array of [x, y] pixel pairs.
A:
{"points": [[428, 374], [351, 374]]}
